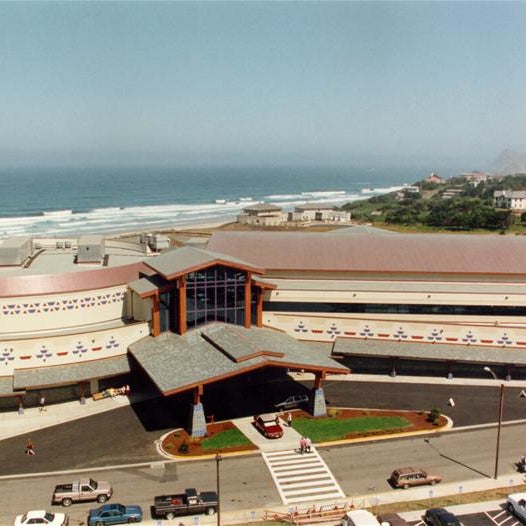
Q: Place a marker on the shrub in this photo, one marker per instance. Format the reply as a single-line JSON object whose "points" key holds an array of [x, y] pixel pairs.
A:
{"points": [[434, 415], [332, 412]]}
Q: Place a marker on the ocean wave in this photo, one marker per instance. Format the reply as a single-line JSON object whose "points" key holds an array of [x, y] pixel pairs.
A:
{"points": [[57, 213], [115, 219]]}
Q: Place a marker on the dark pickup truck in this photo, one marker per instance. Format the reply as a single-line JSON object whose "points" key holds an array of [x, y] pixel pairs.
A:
{"points": [[188, 503]]}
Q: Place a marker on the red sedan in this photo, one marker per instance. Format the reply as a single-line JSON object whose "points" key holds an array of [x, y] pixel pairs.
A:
{"points": [[268, 426]]}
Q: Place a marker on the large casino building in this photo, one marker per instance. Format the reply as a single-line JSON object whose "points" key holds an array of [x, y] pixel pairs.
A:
{"points": [[78, 314]]}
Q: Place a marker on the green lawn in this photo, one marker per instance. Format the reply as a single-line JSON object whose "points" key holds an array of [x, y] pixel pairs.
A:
{"points": [[224, 439], [320, 430]]}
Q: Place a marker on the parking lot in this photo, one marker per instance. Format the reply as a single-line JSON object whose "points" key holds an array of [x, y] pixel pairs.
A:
{"points": [[498, 517]]}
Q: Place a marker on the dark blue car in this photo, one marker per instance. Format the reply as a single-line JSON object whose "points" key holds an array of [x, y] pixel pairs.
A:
{"points": [[114, 514]]}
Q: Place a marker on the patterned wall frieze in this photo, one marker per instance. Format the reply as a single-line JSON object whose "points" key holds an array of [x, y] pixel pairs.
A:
{"points": [[65, 350], [91, 300], [324, 328]]}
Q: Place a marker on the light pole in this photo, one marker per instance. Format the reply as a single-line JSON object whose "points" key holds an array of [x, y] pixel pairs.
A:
{"points": [[218, 460], [499, 426]]}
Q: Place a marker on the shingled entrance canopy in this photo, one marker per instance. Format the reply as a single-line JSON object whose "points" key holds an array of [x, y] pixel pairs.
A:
{"points": [[217, 351]]}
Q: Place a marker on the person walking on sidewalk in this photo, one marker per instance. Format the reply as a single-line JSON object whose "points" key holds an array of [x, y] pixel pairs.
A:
{"points": [[42, 403], [30, 447], [303, 445], [308, 444], [289, 419]]}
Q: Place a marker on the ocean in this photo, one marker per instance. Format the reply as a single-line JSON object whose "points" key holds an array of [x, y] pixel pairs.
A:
{"points": [[76, 201]]}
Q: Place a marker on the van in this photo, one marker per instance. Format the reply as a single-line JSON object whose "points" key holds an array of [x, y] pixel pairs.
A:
{"points": [[359, 518]]}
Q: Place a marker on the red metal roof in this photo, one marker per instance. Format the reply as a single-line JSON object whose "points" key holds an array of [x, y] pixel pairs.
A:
{"points": [[400, 253], [71, 281]]}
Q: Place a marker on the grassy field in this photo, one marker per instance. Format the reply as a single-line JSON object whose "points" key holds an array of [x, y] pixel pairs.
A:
{"points": [[337, 429], [226, 439]]}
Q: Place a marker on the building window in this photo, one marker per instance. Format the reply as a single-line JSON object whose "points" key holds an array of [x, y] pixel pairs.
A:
{"points": [[395, 308], [215, 294]]}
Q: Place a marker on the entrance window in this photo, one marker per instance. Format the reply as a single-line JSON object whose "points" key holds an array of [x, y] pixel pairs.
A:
{"points": [[168, 311], [215, 294]]}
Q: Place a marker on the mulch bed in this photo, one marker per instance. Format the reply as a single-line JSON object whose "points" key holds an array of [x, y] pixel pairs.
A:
{"points": [[174, 441]]}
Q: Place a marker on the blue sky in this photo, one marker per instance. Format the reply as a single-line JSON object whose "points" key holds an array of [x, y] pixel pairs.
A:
{"points": [[306, 82]]}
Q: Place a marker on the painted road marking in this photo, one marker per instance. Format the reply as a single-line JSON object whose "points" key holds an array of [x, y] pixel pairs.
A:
{"points": [[301, 478]]}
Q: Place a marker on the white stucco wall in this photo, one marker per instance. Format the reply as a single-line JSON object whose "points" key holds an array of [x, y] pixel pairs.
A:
{"points": [[74, 348], [31, 314]]}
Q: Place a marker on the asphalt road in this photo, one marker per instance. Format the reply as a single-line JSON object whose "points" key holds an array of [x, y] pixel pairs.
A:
{"points": [[246, 482], [127, 435]]}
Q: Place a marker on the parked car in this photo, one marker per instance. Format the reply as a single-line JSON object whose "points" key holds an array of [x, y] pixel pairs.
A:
{"points": [[407, 477], [292, 401], [80, 491], [114, 514], [392, 519], [359, 518], [516, 504], [42, 517], [440, 517], [268, 426]]}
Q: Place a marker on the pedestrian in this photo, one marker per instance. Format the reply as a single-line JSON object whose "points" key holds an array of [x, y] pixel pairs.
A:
{"points": [[289, 419], [42, 403], [30, 447], [308, 444], [303, 445]]}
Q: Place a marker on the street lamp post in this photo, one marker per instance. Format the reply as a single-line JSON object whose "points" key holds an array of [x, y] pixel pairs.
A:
{"points": [[218, 460], [499, 425]]}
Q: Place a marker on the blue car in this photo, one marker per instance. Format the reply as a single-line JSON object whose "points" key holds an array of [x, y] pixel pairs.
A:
{"points": [[114, 514]]}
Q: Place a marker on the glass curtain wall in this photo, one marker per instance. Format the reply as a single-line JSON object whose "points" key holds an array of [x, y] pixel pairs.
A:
{"points": [[215, 294], [168, 309]]}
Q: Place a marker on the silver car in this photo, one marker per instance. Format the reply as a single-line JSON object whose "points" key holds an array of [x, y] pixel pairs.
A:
{"points": [[293, 401]]}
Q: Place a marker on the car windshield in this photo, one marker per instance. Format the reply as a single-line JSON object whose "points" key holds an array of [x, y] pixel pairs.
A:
{"points": [[49, 517], [121, 508]]}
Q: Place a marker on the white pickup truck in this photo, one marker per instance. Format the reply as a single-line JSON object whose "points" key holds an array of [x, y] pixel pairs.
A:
{"points": [[81, 491]]}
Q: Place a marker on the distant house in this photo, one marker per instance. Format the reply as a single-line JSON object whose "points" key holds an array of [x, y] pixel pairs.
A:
{"points": [[434, 178], [452, 192], [513, 199], [261, 214], [476, 177], [318, 212]]}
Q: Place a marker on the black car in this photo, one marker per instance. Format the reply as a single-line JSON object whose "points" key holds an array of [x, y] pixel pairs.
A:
{"points": [[440, 517]]}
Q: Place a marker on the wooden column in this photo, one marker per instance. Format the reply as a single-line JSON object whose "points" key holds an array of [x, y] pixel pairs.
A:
{"points": [[259, 308], [318, 379], [198, 393], [156, 317], [248, 297], [182, 305]]}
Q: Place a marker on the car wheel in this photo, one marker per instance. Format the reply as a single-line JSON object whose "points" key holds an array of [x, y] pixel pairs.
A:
{"points": [[99, 524], [102, 498], [509, 507], [131, 521], [433, 482], [210, 511], [405, 486], [67, 502], [170, 515]]}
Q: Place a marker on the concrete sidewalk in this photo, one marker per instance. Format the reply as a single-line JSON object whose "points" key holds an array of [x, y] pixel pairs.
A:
{"points": [[289, 440], [14, 424]]}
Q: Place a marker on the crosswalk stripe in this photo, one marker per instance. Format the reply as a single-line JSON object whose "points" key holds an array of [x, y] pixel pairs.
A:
{"points": [[300, 478]]}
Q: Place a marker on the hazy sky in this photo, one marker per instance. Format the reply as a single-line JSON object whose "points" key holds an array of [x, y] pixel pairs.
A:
{"points": [[249, 81]]}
